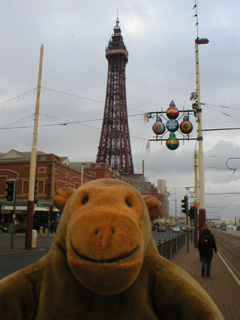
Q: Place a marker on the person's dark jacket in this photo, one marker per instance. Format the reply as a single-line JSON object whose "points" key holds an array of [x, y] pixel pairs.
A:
{"points": [[207, 252]]}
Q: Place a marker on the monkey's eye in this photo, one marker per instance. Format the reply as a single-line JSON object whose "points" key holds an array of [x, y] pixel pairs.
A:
{"points": [[128, 202], [85, 199]]}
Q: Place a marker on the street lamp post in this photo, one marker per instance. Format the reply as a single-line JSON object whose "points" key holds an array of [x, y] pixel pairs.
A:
{"points": [[202, 211]]}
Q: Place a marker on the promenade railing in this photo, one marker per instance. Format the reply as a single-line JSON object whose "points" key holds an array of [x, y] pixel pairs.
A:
{"points": [[169, 246]]}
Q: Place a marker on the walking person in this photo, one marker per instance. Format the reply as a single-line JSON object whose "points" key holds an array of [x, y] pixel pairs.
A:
{"points": [[206, 245]]}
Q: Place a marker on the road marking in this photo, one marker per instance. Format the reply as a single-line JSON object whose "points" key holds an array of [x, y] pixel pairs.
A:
{"points": [[229, 269]]}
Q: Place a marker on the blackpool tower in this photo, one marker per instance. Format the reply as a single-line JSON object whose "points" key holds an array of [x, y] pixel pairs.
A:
{"points": [[114, 145]]}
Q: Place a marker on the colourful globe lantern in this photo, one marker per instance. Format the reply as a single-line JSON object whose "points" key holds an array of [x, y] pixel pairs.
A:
{"points": [[158, 126], [186, 126], [172, 142], [172, 111], [172, 125]]}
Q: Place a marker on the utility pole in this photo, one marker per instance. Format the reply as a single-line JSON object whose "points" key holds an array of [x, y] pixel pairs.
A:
{"points": [[28, 239], [202, 210]]}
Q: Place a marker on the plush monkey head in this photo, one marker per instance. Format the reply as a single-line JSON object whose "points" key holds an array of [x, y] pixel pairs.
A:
{"points": [[106, 228]]}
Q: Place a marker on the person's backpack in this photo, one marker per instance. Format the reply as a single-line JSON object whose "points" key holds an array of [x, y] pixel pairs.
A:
{"points": [[205, 241]]}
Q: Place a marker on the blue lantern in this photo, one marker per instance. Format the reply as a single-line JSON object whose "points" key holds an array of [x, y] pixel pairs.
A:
{"points": [[158, 127], [172, 125]]}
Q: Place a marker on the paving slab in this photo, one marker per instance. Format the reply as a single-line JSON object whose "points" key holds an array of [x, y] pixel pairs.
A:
{"points": [[221, 286]]}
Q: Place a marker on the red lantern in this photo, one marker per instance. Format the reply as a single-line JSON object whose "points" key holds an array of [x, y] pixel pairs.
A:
{"points": [[172, 111]]}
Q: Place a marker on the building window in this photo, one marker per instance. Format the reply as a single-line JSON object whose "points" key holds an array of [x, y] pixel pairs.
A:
{"points": [[25, 184], [55, 186], [41, 187], [56, 171], [2, 185], [76, 185], [66, 174], [43, 157], [41, 169]]}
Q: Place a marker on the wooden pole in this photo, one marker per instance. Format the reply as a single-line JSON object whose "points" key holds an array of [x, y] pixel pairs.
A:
{"points": [[28, 240]]}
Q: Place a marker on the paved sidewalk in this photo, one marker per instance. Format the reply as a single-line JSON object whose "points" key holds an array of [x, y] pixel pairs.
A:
{"points": [[221, 286], [19, 244], [10, 252]]}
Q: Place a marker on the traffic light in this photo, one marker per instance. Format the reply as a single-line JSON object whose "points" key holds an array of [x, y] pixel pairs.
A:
{"points": [[191, 213], [185, 205], [10, 190], [35, 191]]}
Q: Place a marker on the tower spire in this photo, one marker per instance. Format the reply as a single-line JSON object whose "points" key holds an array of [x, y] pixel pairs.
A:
{"points": [[114, 145]]}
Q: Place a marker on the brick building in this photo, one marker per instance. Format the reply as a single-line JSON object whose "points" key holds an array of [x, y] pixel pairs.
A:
{"points": [[52, 173]]}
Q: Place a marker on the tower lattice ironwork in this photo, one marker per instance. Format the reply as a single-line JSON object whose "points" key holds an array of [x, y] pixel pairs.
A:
{"points": [[114, 145]]}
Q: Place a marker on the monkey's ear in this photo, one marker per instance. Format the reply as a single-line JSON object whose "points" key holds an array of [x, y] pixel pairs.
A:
{"points": [[61, 197], [154, 206]]}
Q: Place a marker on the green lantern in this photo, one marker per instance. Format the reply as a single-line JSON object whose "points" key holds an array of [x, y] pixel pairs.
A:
{"points": [[172, 142]]}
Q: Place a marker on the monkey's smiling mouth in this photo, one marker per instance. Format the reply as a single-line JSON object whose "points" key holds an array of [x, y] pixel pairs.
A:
{"points": [[111, 260]]}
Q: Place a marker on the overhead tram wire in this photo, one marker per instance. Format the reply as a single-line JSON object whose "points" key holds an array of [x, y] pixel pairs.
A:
{"points": [[224, 113], [220, 106], [220, 129]]}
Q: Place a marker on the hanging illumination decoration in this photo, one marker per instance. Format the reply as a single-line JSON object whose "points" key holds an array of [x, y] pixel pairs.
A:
{"points": [[172, 111], [172, 142], [186, 126], [158, 127], [172, 125]]}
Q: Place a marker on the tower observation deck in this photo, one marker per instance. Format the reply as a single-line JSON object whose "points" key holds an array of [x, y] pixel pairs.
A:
{"points": [[114, 145]]}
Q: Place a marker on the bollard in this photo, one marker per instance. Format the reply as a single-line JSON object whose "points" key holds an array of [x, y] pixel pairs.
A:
{"points": [[41, 231], [34, 238]]}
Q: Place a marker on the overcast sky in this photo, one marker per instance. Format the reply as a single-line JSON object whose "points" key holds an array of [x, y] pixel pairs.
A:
{"points": [[159, 36]]}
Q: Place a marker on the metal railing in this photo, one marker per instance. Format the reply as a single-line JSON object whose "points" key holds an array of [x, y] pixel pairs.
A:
{"points": [[168, 247]]}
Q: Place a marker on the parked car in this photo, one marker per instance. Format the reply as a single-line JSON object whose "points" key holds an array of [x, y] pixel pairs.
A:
{"points": [[176, 229], [3, 229], [162, 229]]}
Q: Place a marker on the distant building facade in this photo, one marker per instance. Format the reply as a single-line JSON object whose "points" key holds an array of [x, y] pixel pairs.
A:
{"points": [[52, 173]]}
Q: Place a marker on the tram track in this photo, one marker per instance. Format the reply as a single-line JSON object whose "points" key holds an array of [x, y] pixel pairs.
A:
{"points": [[229, 248]]}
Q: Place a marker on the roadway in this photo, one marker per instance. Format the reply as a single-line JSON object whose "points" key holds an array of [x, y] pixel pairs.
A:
{"points": [[228, 245], [11, 260]]}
